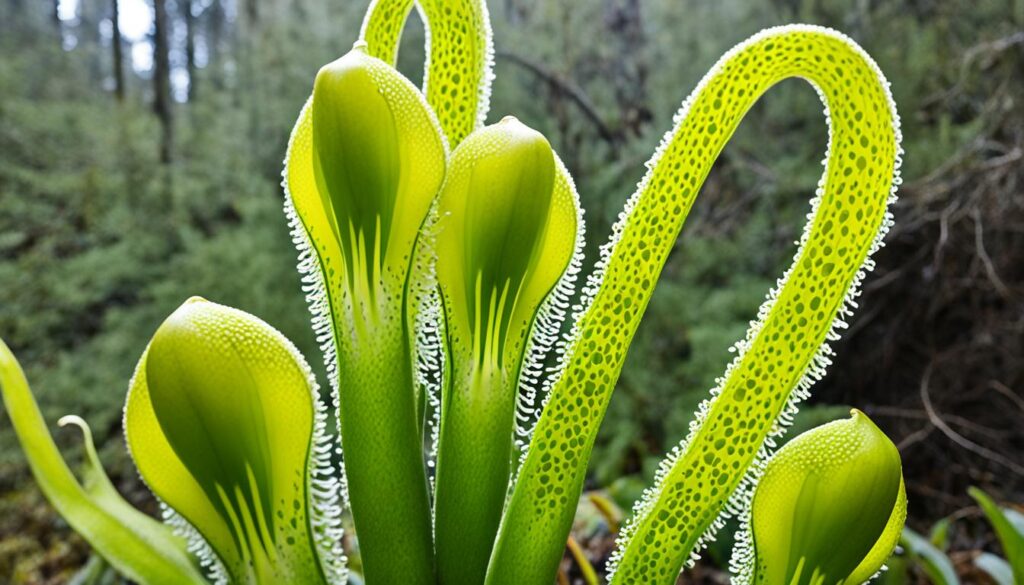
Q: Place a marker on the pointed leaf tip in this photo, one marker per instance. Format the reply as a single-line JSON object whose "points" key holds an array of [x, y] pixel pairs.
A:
{"points": [[378, 159]]}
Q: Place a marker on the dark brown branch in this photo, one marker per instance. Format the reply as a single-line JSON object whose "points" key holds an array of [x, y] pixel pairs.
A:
{"points": [[956, 437], [570, 90]]}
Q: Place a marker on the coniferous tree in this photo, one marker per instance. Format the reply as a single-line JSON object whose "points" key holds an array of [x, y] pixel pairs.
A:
{"points": [[162, 78], [117, 50], [190, 46]]}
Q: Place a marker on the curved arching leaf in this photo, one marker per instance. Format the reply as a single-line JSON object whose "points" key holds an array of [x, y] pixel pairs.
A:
{"points": [[785, 350], [935, 564], [224, 423], [995, 567], [505, 238], [1009, 527], [460, 56], [137, 546]]}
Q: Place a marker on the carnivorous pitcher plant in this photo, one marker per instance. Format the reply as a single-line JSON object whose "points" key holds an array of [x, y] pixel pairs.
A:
{"points": [[469, 373]]}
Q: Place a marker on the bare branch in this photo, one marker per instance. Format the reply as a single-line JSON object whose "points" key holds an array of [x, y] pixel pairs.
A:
{"points": [[956, 437], [567, 88]]}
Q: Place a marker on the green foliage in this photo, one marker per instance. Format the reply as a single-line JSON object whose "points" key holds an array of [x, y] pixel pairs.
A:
{"points": [[97, 248], [507, 231], [1009, 527], [929, 554], [996, 567], [784, 351], [364, 164], [365, 161], [224, 422], [933, 561]]}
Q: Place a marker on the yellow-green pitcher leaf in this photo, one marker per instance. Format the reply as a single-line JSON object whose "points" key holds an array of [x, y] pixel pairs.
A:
{"points": [[377, 162], [224, 423], [137, 546], [828, 509], [784, 351], [365, 163], [505, 237], [460, 56]]}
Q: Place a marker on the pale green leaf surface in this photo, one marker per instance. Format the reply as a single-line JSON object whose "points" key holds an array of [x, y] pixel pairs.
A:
{"points": [[365, 162], [883, 549], [136, 545], [995, 567], [840, 482]]}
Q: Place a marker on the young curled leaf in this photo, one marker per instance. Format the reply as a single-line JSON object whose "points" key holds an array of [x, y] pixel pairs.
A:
{"points": [[829, 508], [365, 162], [506, 235], [224, 424], [137, 546]]}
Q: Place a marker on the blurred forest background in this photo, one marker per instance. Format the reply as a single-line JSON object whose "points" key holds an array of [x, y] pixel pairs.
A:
{"points": [[142, 142]]}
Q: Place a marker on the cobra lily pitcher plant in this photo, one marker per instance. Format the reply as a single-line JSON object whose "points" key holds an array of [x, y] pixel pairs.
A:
{"points": [[470, 362]]}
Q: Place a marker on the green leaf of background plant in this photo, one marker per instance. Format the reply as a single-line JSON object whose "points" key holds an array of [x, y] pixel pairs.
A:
{"points": [[96, 571], [896, 572], [995, 567], [933, 562], [138, 546], [1009, 527], [939, 534], [784, 351]]}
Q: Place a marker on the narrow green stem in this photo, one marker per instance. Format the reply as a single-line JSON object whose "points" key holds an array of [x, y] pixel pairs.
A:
{"points": [[384, 459], [473, 469]]}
